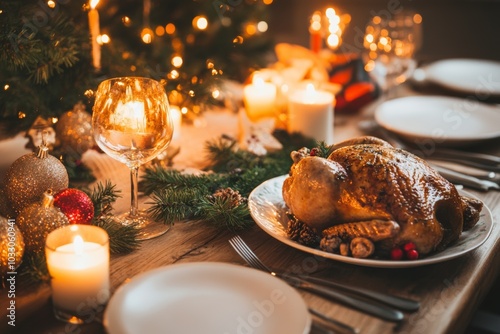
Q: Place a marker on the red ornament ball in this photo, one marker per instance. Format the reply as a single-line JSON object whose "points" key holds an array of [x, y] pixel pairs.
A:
{"points": [[76, 205]]}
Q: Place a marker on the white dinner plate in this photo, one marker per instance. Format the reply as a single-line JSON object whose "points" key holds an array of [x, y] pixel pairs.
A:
{"points": [[269, 212], [208, 298], [471, 76], [444, 120]]}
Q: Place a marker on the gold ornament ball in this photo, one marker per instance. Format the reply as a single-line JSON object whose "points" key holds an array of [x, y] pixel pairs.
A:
{"points": [[5, 206], [31, 175], [37, 220], [74, 131], [11, 246]]}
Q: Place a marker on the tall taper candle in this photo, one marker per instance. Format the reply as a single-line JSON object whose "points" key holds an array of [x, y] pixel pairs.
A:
{"points": [[94, 33]]}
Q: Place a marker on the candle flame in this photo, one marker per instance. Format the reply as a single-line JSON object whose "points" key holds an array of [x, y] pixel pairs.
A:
{"points": [[310, 89], [93, 3], [78, 244], [257, 80], [310, 93]]}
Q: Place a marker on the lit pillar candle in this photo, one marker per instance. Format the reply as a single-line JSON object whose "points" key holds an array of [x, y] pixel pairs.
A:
{"points": [[316, 39], [260, 99], [94, 33], [310, 112], [176, 114], [78, 264]]}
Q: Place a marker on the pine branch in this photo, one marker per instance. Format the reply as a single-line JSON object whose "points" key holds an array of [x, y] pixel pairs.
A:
{"points": [[122, 238], [161, 178], [171, 205], [221, 213], [226, 157], [34, 268], [103, 197]]}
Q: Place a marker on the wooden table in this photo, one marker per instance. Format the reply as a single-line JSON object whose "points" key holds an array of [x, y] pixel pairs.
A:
{"points": [[449, 292]]}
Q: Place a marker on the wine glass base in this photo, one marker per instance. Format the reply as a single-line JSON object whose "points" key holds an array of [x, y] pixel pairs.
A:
{"points": [[148, 228]]}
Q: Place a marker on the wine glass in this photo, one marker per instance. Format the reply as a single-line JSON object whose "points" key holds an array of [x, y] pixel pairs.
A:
{"points": [[132, 124], [390, 45]]}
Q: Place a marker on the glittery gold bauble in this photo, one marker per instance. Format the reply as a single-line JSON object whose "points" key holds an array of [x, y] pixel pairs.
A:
{"points": [[11, 246], [5, 206], [31, 175], [74, 131], [37, 220]]}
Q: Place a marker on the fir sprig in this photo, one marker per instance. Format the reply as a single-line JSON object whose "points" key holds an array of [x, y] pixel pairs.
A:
{"points": [[34, 268], [171, 205], [226, 157], [176, 196], [103, 197], [122, 238], [223, 214]]}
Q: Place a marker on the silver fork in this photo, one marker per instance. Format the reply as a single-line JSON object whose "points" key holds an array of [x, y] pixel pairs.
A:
{"points": [[378, 310]]}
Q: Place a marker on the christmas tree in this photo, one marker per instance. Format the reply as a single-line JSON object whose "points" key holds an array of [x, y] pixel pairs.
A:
{"points": [[49, 63]]}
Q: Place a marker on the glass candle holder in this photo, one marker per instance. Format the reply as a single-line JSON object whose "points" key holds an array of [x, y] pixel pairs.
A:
{"points": [[78, 264]]}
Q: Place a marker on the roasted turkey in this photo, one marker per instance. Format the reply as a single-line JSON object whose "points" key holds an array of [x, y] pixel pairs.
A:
{"points": [[370, 193]]}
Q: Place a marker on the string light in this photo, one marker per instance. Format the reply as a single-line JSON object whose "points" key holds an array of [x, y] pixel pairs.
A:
{"points": [[238, 40], [147, 35], [160, 31], [250, 29], [104, 39], [177, 61], [174, 74], [51, 4], [200, 22], [336, 26], [170, 28], [262, 26], [126, 21]]}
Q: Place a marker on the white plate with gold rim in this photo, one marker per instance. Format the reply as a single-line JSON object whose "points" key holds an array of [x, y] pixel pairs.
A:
{"points": [[269, 212], [208, 298]]}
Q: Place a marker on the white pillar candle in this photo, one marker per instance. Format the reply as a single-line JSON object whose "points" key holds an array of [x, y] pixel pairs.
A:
{"points": [[260, 99], [78, 264], [310, 112], [95, 31], [176, 114]]}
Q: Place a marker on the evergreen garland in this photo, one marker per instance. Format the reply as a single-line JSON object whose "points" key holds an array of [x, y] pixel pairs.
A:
{"points": [[218, 196]]}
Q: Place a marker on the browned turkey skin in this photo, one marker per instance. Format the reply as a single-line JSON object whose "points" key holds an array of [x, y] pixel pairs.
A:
{"points": [[366, 181]]}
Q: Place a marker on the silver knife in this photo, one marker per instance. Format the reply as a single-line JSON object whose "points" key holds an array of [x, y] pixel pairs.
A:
{"points": [[377, 310], [465, 180]]}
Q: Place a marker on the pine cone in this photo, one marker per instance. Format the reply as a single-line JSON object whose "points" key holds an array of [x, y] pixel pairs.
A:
{"points": [[302, 233], [229, 195]]}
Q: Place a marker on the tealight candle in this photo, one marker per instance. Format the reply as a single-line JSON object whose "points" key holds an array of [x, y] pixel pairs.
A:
{"points": [[78, 264], [260, 99], [95, 31], [310, 112]]}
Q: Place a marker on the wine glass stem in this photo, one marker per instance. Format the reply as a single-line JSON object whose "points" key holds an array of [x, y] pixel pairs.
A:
{"points": [[134, 174]]}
